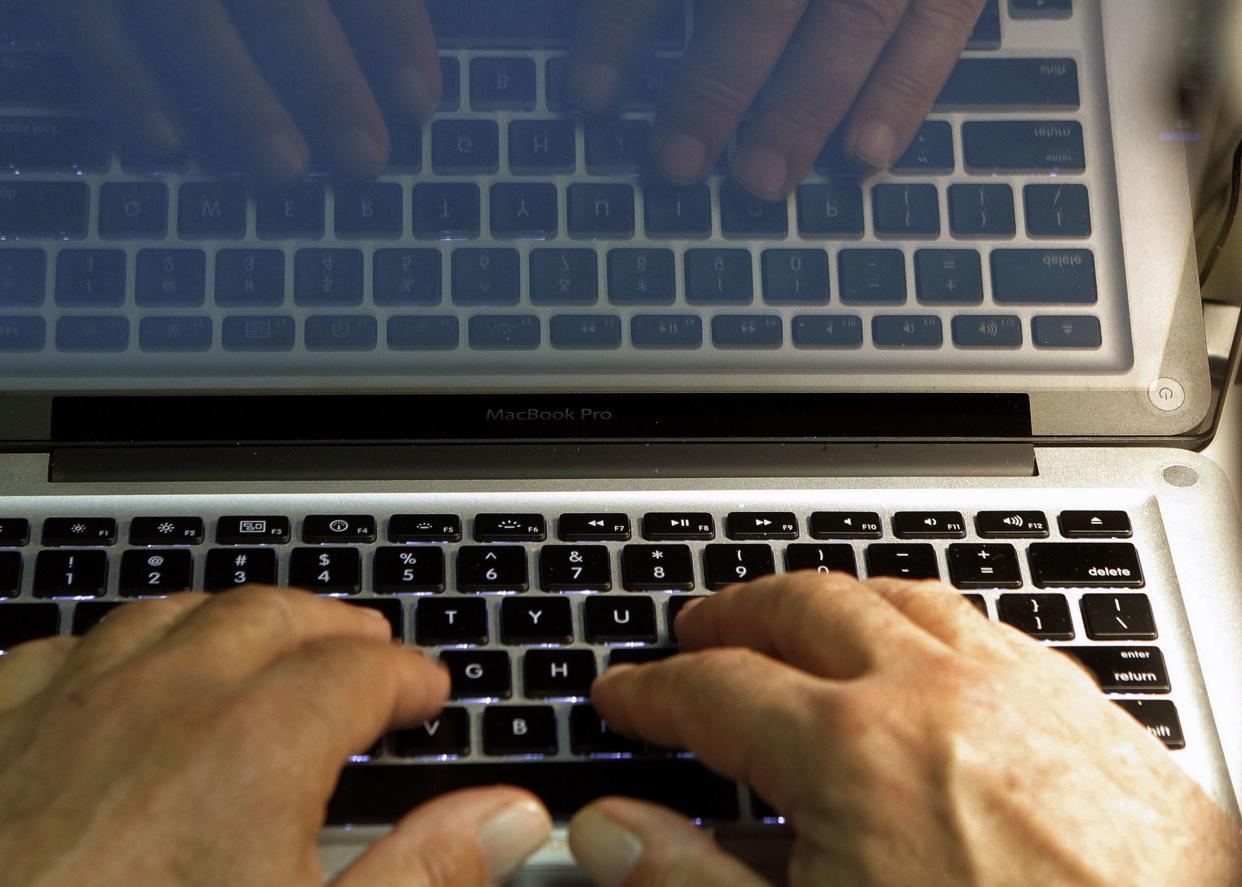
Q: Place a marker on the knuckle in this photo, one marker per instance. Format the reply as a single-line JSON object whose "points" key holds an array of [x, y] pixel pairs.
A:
{"points": [[260, 606], [716, 93], [799, 116], [868, 21], [948, 15]]}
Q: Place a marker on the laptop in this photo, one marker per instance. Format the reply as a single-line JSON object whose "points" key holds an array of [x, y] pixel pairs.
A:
{"points": [[529, 438]]}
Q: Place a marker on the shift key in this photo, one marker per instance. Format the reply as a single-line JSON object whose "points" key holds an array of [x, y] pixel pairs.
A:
{"points": [[54, 144], [1085, 565]]}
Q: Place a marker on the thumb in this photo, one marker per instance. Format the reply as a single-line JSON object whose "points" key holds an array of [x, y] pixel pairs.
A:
{"points": [[623, 843], [479, 836]]}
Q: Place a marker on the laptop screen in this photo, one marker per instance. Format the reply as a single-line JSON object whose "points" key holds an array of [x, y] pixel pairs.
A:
{"points": [[460, 219]]}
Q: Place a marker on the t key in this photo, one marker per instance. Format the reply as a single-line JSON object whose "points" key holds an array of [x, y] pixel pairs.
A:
{"points": [[727, 565]]}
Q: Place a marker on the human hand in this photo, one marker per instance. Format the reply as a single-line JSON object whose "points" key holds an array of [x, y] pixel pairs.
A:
{"points": [[196, 741], [881, 63], [906, 740], [276, 78]]}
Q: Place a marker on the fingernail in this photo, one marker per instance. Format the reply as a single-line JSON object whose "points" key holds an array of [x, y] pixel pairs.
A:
{"points": [[683, 158], [512, 835], [607, 852], [762, 172], [284, 155], [410, 87], [874, 145], [373, 614], [361, 152], [595, 85], [164, 134]]}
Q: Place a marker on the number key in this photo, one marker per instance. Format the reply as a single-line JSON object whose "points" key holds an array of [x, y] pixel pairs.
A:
{"points": [[725, 565], [234, 567], [326, 570], [414, 569], [657, 568], [71, 574], [156, 572], [492, 568], [821, 558], [574, 568]]}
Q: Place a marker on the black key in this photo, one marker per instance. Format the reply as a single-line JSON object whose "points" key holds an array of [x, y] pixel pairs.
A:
{"points": [[88, 614], [447, 735], [171, 278], [725, 565], [616, 147], [383, 794], [525, 210], [987, 331], [505, 332], [492, 568], [659, 526], [987, 32], [639, 655], [913, 561], [98, 334], [558, 674], [589, 735], [369, 209], [447, 211], [54, 144], [949, 277], [907, 331], [328, 277], [846, 525], [1014, 84], [258, 333], [390, 610], [487, 277], [748, 331], [906, 210], [27, 622], [465, 147], [827, 331], [406, 156], [646, 86], [253, 530], [1044, 9], [479, 674], [1095, 525], [601, 211], [1012, 524], [984, 566], [1066, 332], [1044, 277], [338, 528], [424, 528], [25, 25], [1024, 146], [250, 277], [1159, 716], [23, 277], [1085, 565], [137, 161], [830, 210], [536, 620], [133, 209], [761, 525], [642, 277], [326, 570], [450, 76], [931, 151], [441, 621], [407, 277], [619, 620], [290, 211], [510, 528], [519, 730], [872, 276], [528, 24], [175, 333], [556, 77], [502, 84], [821, 558], [981, 211], [44, 210], [744, 216], [795, 277], [666, 331], [575, 568], [156, 572], [71, 574], [424, 333], [585, 331], [207, 210], [657, 568], [1057, 211], [1118, 617], [929, 525], [542, 147], [564, 277], [341, 333], [719, 277], [1042, 616], [593, 527], [90, 278], [15, 532], [676, 604], [414, 569], [22, 334], [1124, 669], [675, 211], [10, 573], [79, 531], [234, 567]]}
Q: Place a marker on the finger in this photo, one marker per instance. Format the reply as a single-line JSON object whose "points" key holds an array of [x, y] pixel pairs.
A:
{"points": [[826, 66], [129, 631], [205, 48], [400, 51], [107, 50], [618, 841], [480, 836], [27, 669], [608, 35], [945, 614], [306, 56], [735, 47], [904, 85], [830, 625]]}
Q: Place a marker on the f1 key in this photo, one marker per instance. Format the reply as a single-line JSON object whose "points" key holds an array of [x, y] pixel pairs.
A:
{"points": [[1085, 565], [762, 525]]}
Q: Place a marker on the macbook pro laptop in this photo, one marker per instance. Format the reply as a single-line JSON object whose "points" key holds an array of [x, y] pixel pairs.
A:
{"points": [[527, 400]]}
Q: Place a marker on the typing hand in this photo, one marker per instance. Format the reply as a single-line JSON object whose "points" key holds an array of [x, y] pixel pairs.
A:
{"points": [[881, 63], [906, 740], [277, 78], [196, 742]]}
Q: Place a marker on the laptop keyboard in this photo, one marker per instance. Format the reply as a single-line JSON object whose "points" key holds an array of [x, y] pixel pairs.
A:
{"points": [[511, 233], [527, 608]]}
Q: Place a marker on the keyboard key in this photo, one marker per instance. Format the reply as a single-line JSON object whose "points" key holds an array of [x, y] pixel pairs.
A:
{"points": [[415, 569], [981, 211], [156, 572], [447, 735], [987, 331], [54, 144], [328, 277], [22, 334], [171, 278], [987, 32], [657, 568], [846, 525], [666, 331], [176, 333], [258, 333], [229, 568], [821, 558], [719, 277], [92, 334], [424, 528], [872, 276], [1159, 716], [795, 277], [589, 735], [525, 210], [341, 332], [725, 565], [319, 528], [661, 526], [407, 277], [478, 674], [1095, 525], [133, 210], [744, 216], [58, 531], [556, 78], [253, 530], [984, 566], [450, 76], [209, 210], [601, 211], [250, 277], [949, 277], [761, 525], [1057, 211], [500, 332], [164, 531], [10, 573], [907, 331], [1118, 617], [510, 528], [575, 568], [675, 211], [290, 211], [593, 527], [441, 621], [906, 210], [536, 620], [1085, 565], [495, 568], [370, 209], [44, 210], [558, 674], [406, 156], [1041, 9], [20, 623], [1066, 332], [616, 147], [326, 570], [1013, 84], [465, 147], [424, 333], [542, 147], [929, 525], [564, 277], [90, 278], [910, 561], [931, 151], [748, 331], [830, 210], [527, 24], [24, 25], [827, 331], [1012, 524], [502, 84], [1124, 669], [23, 277], [619, 620], [519, 730], [1045, 617], [390, 610], [1024, 146], [642, 277], [676, 604], [447, 211], [71, 574], [1044, 277], [585, 331], [487, 277], [15, 532]]}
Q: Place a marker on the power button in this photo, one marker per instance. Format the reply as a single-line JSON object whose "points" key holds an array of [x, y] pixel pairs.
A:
{"points": [[1167, 395]]}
